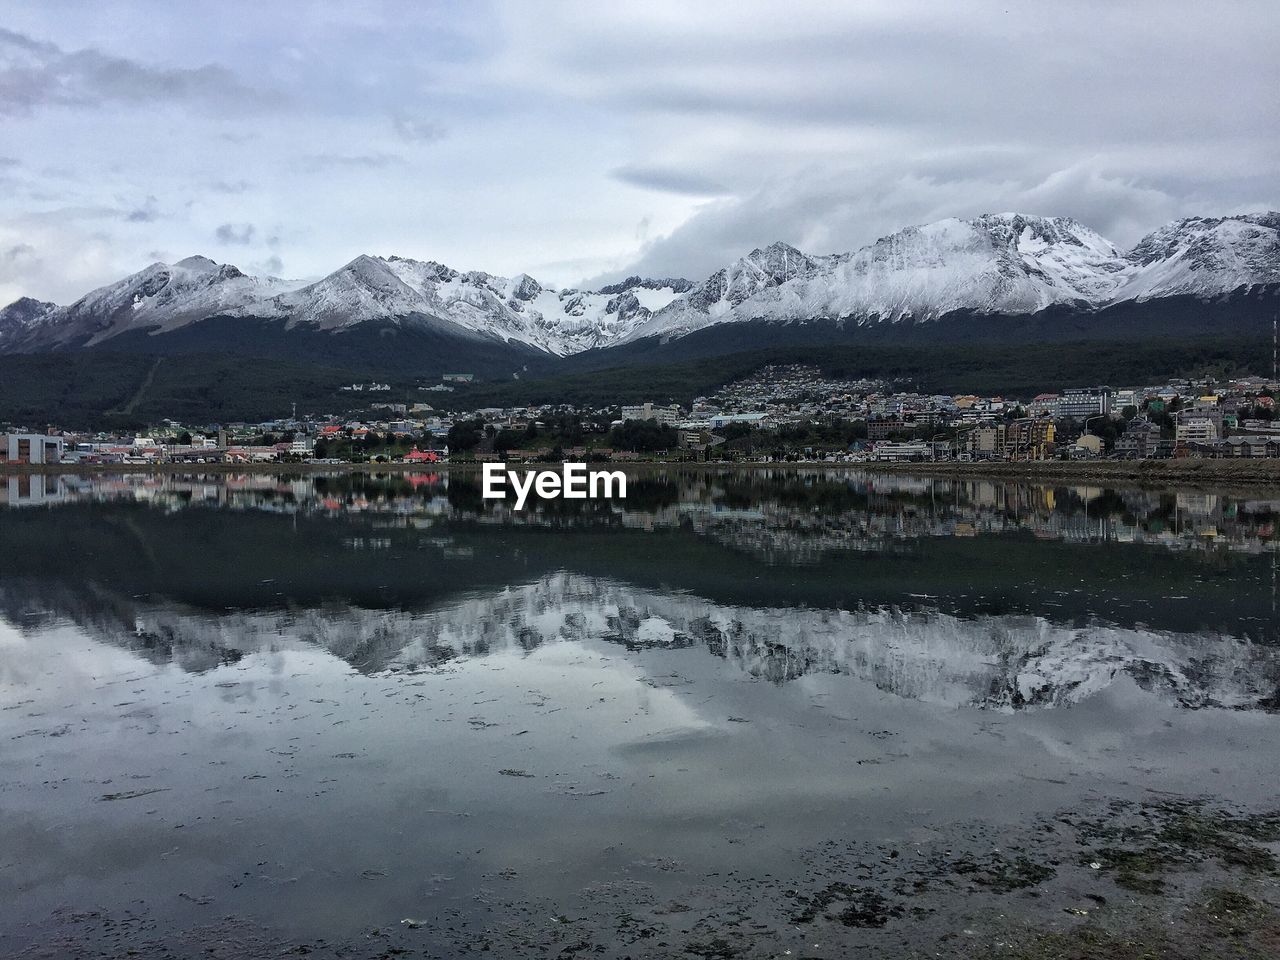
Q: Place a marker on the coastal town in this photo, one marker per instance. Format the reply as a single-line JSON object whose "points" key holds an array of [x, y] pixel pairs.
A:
{"points": [[780, 413]]}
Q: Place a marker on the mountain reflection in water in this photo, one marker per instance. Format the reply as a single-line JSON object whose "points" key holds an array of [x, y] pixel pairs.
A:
{"points": [[959, 593]]}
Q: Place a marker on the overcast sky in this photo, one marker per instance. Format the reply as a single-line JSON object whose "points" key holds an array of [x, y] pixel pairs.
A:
{"points": [[584, 141]]}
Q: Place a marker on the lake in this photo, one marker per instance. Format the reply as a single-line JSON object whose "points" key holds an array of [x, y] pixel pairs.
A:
{"points": [[739, 714]]}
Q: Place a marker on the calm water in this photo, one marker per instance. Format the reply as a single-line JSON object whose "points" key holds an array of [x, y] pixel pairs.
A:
{"points": [[267, 712]]}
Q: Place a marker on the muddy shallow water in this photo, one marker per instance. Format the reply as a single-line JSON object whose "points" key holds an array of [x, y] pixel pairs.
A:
{"points": [[734, 716]]}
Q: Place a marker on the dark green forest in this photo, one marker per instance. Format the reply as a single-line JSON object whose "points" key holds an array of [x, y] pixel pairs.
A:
{"points": [[105, 390], [1022, 369]]}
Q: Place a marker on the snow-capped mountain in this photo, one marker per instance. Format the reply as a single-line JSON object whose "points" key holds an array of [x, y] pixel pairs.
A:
{"points": [[159, 299], [1204, 257], [24, 315], [995, 264], [163, 298], [511, 308]]}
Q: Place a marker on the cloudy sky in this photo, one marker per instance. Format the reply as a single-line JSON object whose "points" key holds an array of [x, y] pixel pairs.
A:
{"points": [[581, 141]]}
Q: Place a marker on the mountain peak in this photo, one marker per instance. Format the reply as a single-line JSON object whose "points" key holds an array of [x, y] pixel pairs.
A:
{"points": [[198, 264], [1205, 256], [778, 247]]}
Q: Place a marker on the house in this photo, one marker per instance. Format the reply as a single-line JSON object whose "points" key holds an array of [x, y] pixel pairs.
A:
{"points": [[1252, 446]]}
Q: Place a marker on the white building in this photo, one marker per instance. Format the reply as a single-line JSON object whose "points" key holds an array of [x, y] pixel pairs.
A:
{"points": [[724, 419], [913, 450], [33, 448], [647, 411], [1082, 404], [1196, 430]]}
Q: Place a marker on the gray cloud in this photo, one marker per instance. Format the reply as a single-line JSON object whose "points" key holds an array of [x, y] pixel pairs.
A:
{"points": [[417, 129], [230, 186], [146, 212], [668, 180], [36, 73], [18, 252], [272, 266], [823, 215], [322, 162], [662, 137], [228, 233]]}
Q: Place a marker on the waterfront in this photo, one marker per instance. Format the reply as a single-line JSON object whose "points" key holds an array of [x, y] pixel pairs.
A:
{"points": [[737, 714]]}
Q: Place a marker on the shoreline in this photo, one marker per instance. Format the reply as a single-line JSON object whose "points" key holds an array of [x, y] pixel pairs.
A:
{"points": [[1147, 473]]}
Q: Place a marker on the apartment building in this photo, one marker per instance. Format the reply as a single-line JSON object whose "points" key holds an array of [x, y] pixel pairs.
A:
{"points": [[1082, 404]]}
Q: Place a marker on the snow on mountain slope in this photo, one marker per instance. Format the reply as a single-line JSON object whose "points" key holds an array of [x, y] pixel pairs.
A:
{"points": [[159, 298], [1005, 263], [20, 319], [511, 308], [756, 278], [1205, 257]]}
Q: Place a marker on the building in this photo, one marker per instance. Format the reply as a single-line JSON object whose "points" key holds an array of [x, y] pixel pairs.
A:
{"points": [[1194, 429], [913, 450], [986, 442], [721, 420], [1264, 428], [1139, 441], [1082, 404], [1089, 444], [1043, 405], [33, 448], [885, 427], [647, 411], [1029, 439], [1252, 446], [458, 377]]}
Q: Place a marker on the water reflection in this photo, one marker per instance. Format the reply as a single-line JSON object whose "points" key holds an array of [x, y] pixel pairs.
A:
{"points": [[1003, 662], [960, 593], [321, 705], [788, 516]]}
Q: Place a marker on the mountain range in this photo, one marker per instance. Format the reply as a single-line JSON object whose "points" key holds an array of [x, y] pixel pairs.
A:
{"points": [[992, 267]]}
